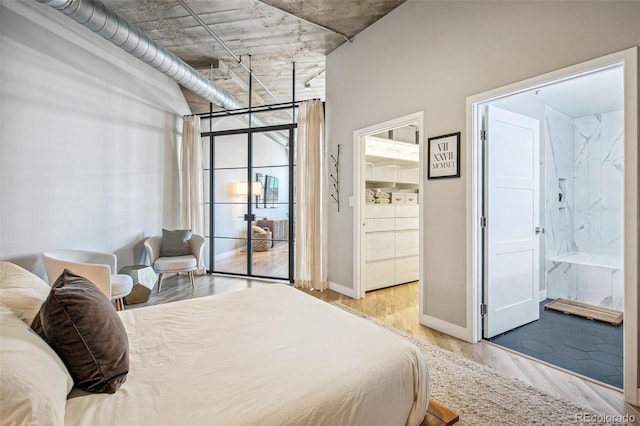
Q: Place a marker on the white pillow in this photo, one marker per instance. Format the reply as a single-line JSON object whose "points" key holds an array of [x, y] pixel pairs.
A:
{"points": [[34, 382], [21, 291]]}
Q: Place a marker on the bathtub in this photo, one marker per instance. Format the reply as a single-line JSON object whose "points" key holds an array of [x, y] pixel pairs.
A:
{"points": [[596, 279]]}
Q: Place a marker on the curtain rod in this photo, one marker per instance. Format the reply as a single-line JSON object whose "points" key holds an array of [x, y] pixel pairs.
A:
{"points": [[248, 110]]}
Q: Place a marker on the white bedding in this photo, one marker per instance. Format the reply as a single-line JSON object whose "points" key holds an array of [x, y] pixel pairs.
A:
{"points": [[271, 355]]}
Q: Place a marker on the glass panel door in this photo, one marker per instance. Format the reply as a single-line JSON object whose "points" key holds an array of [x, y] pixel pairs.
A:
{"points": [[249, 201], [230, 203], [272, 209]]}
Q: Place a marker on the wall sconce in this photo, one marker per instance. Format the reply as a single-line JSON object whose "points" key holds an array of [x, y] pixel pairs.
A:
{"points": [[242, 188]]}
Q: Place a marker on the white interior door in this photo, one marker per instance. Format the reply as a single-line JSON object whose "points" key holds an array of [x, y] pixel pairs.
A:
{"points": [[512, 212]]}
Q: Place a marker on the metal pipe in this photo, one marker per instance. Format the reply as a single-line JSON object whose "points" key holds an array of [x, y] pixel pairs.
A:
{"points": [[224, 46], [308, 82], [94, 15]]}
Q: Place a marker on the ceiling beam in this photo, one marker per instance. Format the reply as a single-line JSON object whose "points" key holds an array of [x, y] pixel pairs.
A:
{"points": [[224, 45], [244, 85], [307, 20]]}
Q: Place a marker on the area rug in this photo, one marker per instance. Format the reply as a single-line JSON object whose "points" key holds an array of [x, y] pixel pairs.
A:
{"points": [[483, 396]]}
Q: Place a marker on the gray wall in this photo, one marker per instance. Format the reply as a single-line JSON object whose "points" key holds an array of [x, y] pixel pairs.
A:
{"points": [[431, 56], [88, 143]]}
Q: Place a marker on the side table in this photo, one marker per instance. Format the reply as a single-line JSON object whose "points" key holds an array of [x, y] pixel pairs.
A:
{"points": [[144, 279]]}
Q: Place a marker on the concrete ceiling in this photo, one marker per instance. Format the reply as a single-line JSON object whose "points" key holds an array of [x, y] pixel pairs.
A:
{"points": [[267, 35]]}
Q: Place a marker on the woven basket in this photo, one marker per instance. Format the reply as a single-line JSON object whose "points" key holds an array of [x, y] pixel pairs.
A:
{"points": [[262, 239]]}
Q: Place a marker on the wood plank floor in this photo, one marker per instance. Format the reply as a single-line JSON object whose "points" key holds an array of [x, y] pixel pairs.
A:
{"points": [[398, 307], [273, 262]]}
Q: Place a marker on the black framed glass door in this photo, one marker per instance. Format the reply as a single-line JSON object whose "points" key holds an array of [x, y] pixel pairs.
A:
{"points": [[249, 175]]}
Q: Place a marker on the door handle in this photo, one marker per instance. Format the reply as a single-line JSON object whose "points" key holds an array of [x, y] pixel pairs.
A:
{"points": [[539, 230]]}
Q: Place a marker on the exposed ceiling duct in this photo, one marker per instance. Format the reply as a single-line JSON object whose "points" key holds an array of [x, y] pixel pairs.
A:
{"points": [[94, 15]]}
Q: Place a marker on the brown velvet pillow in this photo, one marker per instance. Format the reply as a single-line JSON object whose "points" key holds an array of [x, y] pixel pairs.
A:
{"points": [[81, 325]]}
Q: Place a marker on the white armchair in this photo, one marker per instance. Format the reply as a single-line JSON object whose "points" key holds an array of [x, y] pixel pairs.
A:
{"points": [[99, 268], [166, 264]]}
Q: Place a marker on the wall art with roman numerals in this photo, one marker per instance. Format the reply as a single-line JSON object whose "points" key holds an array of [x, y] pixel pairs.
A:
{"points": [[444, 156]]}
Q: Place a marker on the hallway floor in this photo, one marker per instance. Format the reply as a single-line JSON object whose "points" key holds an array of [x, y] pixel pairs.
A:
{"points": [[590, 348]]}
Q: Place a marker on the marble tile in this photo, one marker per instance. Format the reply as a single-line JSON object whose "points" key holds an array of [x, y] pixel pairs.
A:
{"points": [[589, 153], [612, 187], [612, 228], [612, 134], [559, 134], [617, 286], [551, 241], [594, 172], [586, 139], [594, 285], [561, 280], [582, 231]]}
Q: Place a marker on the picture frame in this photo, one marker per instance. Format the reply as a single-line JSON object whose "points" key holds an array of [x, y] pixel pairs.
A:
{"points": [[443, 153], [267, 198]]}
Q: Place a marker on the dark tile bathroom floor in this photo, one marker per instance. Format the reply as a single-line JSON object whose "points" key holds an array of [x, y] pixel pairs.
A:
{"points": [[590, 348]]}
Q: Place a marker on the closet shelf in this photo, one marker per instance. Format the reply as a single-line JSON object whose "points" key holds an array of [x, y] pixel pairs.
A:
{"points": [[390, 183], [391, 161]]}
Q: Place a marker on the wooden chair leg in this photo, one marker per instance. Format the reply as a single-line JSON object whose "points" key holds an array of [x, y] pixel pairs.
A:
{"points": [[193, 285], [159, 281], [119, 304]]}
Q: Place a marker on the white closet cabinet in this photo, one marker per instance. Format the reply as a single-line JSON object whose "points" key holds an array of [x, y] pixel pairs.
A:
{"points": [[391, 245]]}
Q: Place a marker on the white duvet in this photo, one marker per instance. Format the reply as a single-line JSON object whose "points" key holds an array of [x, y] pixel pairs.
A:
{"points": [[271, 355]]}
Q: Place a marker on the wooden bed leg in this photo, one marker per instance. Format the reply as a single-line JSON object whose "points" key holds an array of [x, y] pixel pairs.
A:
{"points": [[439, 415]]}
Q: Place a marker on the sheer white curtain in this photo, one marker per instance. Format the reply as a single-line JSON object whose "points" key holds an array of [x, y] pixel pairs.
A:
{"points": [[311, 199], [191, 191]]}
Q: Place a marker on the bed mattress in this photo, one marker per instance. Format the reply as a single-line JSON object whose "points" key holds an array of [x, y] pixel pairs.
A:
{"points": [[270, 355]]}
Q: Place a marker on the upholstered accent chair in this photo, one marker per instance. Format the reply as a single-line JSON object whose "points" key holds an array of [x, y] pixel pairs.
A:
{"points": [[99, 268], [162, 262]]}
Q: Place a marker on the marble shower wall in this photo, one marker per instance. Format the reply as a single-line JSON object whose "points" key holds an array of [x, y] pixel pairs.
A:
{"points": [[558, 162], [598, 177], [584, 176]]}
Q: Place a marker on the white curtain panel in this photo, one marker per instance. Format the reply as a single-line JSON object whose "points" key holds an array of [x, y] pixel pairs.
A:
{"points": [[311, 199], [192, 186]]}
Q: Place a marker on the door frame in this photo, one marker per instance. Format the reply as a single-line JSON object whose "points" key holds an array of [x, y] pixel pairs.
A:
{"points": [[359, 136], [629, 61], [250, 131]]}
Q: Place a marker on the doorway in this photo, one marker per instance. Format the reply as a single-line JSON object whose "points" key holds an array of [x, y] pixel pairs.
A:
{"points": [[578, 233], [387, 187], [249, 178]]}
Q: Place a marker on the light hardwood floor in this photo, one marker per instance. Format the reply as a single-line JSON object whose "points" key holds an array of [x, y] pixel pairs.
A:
{"points": [[398, 307], [272, 262]]}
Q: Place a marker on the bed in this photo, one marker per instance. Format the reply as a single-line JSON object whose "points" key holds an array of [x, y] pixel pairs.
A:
{"points": [[270, 355]]}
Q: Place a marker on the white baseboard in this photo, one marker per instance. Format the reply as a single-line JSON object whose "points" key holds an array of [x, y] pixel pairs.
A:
{"points": [[447, 328], [543, 295], [339, 288]]}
